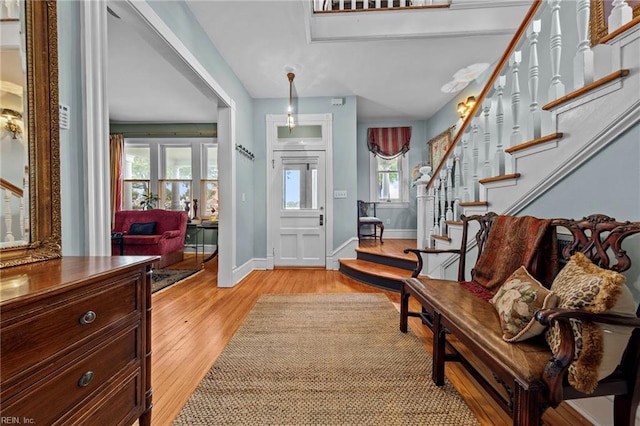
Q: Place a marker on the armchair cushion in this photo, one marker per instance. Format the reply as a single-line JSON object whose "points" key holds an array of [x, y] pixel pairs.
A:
{"points": [[583, 285], [517, 301], [148, 228], [171, 234]]}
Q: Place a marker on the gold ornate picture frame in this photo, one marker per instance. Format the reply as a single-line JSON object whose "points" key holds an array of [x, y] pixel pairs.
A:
{"points": [[438, 146], [600, 10]]}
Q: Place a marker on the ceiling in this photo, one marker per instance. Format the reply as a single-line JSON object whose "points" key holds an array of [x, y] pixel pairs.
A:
{"points": [[394, 62]]}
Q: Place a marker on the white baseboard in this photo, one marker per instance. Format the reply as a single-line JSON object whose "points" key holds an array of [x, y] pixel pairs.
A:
{"points": [[597, 410], [400, 234], [345, 251]]}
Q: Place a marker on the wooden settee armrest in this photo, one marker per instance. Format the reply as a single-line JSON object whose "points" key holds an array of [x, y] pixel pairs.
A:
{"points": [[420, 264], [555, 370], [550, 316]]}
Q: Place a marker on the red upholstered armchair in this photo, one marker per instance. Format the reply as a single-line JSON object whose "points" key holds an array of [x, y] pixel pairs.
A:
{"points": [[150, 232]]}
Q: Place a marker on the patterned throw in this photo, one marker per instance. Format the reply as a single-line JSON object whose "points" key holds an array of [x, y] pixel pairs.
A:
{"points": [[513, 242], [323, 359]]}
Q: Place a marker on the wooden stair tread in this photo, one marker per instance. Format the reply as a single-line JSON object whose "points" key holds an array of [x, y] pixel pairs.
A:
{"points": [[453, 222], [499, 178], [391, 248], [441, 237], [377, 269], [474, 203], [534, 142], [586, 89]]}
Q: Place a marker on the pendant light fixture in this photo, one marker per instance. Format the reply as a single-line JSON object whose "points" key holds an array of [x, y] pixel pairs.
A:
{"points": [[290, 122]]}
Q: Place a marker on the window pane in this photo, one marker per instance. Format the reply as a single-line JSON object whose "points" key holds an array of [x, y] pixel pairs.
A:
{"points": [[133, 192], [389, 179], [210, 206], [136, 162], [174, 193], [300, 132], [211, 165], [299, 185], [177, 162]]}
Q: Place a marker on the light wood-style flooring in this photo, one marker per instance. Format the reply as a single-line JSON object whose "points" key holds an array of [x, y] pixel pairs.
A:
{"points": [[192, 322]]}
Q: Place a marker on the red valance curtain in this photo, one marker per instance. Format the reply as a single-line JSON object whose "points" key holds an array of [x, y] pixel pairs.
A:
{"points": [[389, 142]]}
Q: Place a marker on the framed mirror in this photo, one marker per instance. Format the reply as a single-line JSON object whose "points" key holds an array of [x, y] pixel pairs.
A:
{"points": [[30, 222]]}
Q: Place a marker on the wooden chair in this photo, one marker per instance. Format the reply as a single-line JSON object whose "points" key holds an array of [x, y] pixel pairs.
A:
{"points": [[369, 220]]}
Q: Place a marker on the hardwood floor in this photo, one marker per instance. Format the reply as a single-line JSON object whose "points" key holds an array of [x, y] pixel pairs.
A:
{"points": [[192, 322]]}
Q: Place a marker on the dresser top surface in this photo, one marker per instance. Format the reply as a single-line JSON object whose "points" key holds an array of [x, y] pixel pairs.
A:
{"points": [[38, 278]]}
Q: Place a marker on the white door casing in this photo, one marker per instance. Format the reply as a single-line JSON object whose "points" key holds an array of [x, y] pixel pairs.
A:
{"points": [[303, 145], [297, 208]]}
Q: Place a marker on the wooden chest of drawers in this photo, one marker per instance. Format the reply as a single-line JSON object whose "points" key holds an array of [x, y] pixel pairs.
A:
{"points": [[75, 341]]}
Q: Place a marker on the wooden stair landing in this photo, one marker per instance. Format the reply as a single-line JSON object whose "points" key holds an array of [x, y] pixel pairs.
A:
{"points": [[381, 265]]}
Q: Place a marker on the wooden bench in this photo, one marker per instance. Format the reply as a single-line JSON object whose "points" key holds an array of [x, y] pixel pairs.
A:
{"points": [[525, 378]]}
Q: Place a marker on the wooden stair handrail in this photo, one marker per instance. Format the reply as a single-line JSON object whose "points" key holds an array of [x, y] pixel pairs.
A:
{"points": [[11, 187], [483, 94]]}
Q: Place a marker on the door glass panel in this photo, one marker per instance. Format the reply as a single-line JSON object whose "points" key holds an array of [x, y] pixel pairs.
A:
{"points": [[299, 184]]}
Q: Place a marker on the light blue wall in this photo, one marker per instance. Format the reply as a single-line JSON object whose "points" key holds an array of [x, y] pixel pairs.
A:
{"points": [[180, 19], [609, 184], [344, 163], [182, 22], [73, 189], [398, 218]]}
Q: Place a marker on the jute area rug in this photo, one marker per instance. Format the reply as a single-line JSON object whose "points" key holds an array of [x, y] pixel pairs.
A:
{"points": [[323, 359]]}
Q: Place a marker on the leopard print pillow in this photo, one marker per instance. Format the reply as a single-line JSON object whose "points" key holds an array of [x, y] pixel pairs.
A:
{"points": [[583, 285]]}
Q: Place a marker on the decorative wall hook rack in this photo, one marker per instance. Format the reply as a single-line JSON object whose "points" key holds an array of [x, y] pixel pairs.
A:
{"points": [[244, 151]]}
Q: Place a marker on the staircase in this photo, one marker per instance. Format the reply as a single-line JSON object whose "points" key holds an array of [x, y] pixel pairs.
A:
{"points": [[502, 159], [381, 265], [556, 99]]}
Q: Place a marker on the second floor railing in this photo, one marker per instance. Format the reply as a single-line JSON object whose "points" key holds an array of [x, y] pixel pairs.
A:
{"points": [[366, 5]]}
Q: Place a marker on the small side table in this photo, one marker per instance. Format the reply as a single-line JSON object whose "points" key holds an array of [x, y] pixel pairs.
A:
{"points": [[209, 225], [118, 237]]}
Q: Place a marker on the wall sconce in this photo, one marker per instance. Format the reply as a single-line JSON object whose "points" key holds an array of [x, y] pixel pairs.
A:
{"points": [[10, 116], [464, 108], [290, 122]]}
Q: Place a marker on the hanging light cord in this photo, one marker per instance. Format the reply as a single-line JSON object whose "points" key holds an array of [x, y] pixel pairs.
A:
{"points": [[290, 112]]}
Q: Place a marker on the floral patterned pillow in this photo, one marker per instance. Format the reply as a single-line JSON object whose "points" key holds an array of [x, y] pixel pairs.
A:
{"points": [[517, 301]]}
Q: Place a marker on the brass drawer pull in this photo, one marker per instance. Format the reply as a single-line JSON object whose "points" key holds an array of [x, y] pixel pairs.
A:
{"points": [[85, 379], [88, 317]]}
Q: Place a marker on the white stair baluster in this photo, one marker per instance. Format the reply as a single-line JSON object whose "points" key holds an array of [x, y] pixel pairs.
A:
{"points": [[431, 216], [449, 200], [556, 90], [24, 213], [443, 194], [457, 182], [499, 157], [583, 65], [486, 108], [436, 205], [466, 154], [422, 215], [514, 63], [534, 127], [620, 15], [8, 221], [476, 163]]}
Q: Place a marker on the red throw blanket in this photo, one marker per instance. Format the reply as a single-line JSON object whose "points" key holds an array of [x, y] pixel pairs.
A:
{"points": [[511, 243]]}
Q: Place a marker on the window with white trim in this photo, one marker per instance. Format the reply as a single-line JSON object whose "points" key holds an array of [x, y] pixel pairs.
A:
{"points": [[389, 181], [175, 170]]}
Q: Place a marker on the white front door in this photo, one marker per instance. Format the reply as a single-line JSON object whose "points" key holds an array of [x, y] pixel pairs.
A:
{"points": [[298, 207]]}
